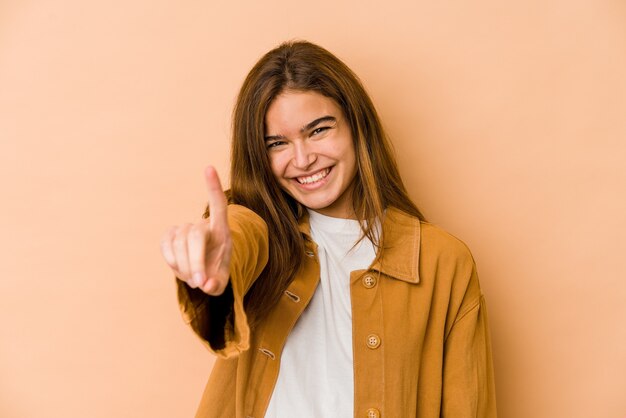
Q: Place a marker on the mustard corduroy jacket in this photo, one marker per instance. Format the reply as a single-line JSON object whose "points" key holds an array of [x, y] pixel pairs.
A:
{"points": [[420, 335]]}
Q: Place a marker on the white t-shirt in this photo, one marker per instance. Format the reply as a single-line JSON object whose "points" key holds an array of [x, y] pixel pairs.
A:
{"points": [[316, 377]]}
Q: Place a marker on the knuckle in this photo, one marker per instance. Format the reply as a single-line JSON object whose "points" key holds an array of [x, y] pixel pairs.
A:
{"points": [[197, 232], [180, 238], [168, 236], [180, 243]]}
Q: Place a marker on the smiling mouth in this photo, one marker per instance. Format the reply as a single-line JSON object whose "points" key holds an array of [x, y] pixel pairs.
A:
{"points": [[314, 178]]}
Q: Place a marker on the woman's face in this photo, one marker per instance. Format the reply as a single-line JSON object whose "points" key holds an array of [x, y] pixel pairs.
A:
{"points": [[310, 148]]}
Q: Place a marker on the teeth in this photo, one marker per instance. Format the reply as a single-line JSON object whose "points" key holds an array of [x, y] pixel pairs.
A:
{"points": [[315, 177]]}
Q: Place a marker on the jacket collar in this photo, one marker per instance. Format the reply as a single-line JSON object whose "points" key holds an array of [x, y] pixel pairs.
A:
{"points": [[399, 256]]}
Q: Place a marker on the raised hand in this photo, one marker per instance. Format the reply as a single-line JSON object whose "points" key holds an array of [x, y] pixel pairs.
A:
{"points": [[199, 254]]}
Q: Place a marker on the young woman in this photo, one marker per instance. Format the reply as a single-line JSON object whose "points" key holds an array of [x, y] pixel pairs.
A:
{"points": [[317, 282]]}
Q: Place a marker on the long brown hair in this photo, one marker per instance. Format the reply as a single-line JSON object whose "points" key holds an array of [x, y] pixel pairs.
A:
{"points": [[300, 65]]}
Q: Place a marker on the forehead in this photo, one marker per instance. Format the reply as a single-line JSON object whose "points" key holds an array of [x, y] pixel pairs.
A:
{"points": [[293, 109]]}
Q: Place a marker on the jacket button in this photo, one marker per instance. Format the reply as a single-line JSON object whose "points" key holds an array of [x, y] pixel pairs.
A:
{"points": [[373, 341], [369, 281], [373, 413]]}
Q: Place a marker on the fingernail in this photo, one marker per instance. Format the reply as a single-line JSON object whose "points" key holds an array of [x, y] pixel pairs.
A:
{"points": [[196, 279]]}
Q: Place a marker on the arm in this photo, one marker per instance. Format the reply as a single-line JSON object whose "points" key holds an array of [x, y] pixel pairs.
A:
{"points": [[468, 378], [220, 320], [216, 261]]}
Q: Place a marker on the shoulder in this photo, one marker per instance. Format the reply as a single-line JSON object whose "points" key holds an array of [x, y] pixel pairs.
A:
{"points": [[422, 246], [401, 229], [447, 263], [437, 242], [245, 221], [242, 214]]}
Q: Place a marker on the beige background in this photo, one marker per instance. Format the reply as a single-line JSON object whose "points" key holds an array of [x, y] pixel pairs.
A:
{"points": [[509, 120]]}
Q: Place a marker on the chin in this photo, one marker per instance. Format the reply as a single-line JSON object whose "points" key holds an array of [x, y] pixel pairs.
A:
{"points": [[314, 206]]}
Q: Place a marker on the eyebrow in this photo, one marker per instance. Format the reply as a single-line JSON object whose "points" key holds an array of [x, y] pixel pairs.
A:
{"points": [[306, 127]]}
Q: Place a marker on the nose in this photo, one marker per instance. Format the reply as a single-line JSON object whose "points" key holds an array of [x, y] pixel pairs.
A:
{"points": [[303, 155]]}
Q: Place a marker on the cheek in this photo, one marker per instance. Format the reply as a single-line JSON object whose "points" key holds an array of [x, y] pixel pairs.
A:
{"points": [[277, 165], [349, 155], [352, 167]]}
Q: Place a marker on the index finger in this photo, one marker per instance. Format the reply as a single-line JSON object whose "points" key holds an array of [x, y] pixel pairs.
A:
{"points": [[217, 198]]}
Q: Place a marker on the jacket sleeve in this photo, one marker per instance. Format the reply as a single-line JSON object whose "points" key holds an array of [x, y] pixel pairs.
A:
{"points": [[220, 321], [468, 378]]}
